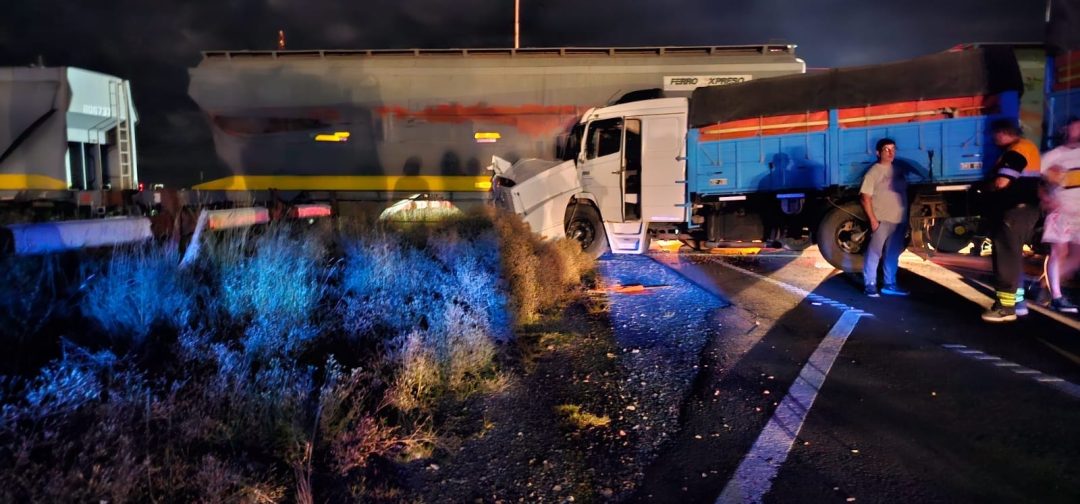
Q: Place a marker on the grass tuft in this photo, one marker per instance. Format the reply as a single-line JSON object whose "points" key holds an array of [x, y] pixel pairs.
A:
{"points": [[139, 288], [283, 279], [573, 416]]}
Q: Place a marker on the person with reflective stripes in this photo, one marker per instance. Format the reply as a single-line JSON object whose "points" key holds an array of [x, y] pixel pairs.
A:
{"points": [[1014, 192], [1061, 199]]}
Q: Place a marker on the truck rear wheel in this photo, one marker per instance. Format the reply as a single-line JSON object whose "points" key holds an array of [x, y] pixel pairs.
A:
{"points": [[584, 226], [843, 236]]}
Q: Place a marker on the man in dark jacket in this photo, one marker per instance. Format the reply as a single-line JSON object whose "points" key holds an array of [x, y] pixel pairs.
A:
{"points": [[1014, 211]]}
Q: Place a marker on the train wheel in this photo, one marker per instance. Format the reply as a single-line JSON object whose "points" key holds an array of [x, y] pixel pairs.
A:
{"points": [[843, 236], [583, 225]]}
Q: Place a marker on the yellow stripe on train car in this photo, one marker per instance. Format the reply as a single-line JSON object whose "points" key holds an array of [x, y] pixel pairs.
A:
{"points": [[409, 183], [29, 181]]}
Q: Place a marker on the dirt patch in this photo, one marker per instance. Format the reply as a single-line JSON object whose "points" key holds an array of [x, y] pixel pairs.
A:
{"points": [[597, 394]]}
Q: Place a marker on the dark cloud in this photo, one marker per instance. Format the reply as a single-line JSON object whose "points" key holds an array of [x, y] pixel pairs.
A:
{"points": [[153, 44]]}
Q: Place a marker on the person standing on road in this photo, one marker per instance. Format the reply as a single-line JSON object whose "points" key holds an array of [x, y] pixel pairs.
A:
{"points": [[1061, 199], [884, 198], [1013, 187]]}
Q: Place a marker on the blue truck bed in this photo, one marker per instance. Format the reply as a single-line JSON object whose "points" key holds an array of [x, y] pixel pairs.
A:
{"points": [[944, 151]]}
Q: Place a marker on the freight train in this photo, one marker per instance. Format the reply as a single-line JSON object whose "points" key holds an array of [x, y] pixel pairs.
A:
{"points": [[365, 123], [310, 126], [375, 122]]}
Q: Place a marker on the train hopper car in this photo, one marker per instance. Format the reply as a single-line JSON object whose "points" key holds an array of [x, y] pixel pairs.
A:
{"points": [[66, 134], [383, 122]]}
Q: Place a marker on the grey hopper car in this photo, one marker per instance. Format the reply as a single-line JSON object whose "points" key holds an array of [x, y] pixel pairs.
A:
{"points": [[429, 120]]}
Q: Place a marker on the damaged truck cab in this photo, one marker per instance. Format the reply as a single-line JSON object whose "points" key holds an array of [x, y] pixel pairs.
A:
{"points": [[623, 170]]}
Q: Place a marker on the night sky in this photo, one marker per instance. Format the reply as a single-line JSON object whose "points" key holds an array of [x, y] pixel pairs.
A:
{"points": [[153, 44]]}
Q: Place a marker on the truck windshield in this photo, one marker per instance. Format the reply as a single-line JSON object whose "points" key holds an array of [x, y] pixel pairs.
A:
{"points": [[573, 142]]}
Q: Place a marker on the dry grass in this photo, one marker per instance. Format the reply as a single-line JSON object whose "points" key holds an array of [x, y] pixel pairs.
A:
{"points": [[243, 395], [573, 416], [139, 288], [541, 275]]}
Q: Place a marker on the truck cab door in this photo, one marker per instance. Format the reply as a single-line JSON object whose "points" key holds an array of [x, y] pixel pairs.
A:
{"points": [[602, 167]]}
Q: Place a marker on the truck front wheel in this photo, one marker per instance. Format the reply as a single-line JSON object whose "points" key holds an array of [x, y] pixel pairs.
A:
{"points": [[584, 226], [842, 237]]}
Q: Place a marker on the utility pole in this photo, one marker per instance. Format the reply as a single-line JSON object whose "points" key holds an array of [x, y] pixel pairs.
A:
{"points": [[517, 24]]}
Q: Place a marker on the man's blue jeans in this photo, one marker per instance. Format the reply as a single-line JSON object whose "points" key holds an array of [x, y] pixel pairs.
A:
{"points": [[889, 238]]}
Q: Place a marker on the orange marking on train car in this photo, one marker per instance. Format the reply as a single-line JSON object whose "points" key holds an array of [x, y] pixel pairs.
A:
{"points": [[407, 183], [531, 120]]}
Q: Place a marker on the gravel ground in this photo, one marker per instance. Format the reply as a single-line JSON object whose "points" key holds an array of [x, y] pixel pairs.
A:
{"points": [[631, 357]]}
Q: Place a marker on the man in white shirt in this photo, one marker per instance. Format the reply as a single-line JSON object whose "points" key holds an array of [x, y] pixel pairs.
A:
{"points": [[884, 198], [1061, 199]]}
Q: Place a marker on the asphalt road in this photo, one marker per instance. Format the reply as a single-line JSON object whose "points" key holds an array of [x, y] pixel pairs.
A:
{"points": [[812, 392]]}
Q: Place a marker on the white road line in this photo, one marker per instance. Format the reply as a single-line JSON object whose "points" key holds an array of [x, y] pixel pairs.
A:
{"points": [[799, 291], [753, 478], [803, 293], [1065, 386]]}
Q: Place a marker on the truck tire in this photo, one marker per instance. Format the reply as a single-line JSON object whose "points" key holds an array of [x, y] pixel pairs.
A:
{"points": [[951, 235], [843, 236], [584, 226]]}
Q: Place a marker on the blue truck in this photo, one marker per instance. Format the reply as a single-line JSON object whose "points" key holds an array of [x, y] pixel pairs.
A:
{"points": [[1062, 82], [775, 160]]}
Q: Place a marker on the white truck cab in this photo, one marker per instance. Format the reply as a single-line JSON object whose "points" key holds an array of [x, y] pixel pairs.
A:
{"points": [[624, 168]]}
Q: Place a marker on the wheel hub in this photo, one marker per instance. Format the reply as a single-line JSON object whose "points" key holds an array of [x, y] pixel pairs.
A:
{"points": [[851, 235], [582, 232]]}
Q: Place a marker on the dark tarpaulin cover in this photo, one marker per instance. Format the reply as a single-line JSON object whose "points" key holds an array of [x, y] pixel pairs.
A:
{"points": [[983, 70], [1063, 30]]}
